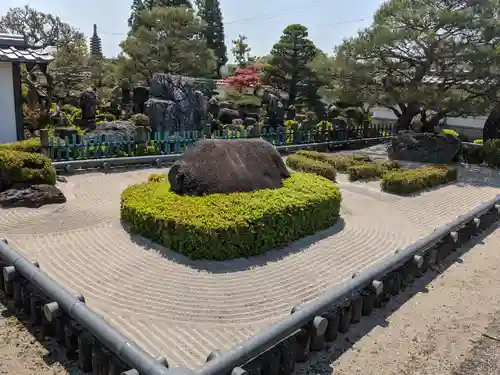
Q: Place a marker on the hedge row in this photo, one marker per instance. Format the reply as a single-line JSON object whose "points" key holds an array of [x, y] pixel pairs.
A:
{"points": [[412, 180], [24, 167], [368, 171], [303, 164], [340, 162], [225, 226]]}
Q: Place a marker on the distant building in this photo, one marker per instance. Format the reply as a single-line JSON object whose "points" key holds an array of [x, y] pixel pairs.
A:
{"points": [[95, 44]]}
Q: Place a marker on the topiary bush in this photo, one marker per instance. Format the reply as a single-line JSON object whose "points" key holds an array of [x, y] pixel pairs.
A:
{"points": [[413, 180], [28, 145], [302, 164], [226, 226], [340, 162], [369, 171], [450, 132], [24, 167], [491, 153]]}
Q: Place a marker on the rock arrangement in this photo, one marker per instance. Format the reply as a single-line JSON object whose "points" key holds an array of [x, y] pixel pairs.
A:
{"points": [[175, 104], [228, 166], [31, 196], [424, 147]]}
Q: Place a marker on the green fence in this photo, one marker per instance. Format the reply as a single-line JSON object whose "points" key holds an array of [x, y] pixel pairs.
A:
{"points": [[81, 147]]}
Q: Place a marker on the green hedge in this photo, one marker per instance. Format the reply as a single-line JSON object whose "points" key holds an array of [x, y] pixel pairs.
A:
{"points": [[29, 145], [303, 164], [226, 226], [24, 167], [414, 180], [369, 171], [340, 162]]}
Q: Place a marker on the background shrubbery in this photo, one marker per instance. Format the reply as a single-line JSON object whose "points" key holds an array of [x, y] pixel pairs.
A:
{"points": [[225, 226], [303, 164]]}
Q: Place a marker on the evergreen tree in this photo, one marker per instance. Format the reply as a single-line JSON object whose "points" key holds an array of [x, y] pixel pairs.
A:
{"points": [[140, 5], [210, 12], [288, 68]]}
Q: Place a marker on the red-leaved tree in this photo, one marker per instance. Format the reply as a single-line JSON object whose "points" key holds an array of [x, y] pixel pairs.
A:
{"points": [[244, 78]]}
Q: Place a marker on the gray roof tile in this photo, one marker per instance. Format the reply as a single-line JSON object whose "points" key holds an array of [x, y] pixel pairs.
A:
{"points": [[20, 54]]}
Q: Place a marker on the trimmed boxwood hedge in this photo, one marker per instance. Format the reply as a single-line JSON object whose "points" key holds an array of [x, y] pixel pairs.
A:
{"points": [[340, 162], [414, 180], [368, 171], [302, 164], [225, 226], [24, 167]]}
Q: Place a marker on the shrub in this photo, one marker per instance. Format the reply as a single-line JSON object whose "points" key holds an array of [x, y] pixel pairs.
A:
{"points": [[478, 141], [491, 153], [226, 226], [450, 132], [303, 164], [413, 180], [340, 162], [472, 154], [140, 119], [158, 178], [28, 145], [368, 171], [24, 167]]}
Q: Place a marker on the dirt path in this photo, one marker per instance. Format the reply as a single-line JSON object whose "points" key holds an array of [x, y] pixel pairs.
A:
{"points": [[433, 328]]}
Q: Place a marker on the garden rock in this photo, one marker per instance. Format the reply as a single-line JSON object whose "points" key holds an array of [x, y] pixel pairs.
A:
{"points": [[114, 129], [424, 147], [31, 196], [228, 166]]}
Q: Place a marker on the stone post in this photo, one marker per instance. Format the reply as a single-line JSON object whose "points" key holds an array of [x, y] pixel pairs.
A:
{"points": [[44, 142]]}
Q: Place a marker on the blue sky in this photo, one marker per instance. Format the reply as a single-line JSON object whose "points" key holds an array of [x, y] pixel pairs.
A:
{"points": [[262, 21]]}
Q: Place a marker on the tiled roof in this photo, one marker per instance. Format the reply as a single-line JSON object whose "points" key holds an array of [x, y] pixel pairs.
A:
{"points": [[14, 49], [24, 55]]}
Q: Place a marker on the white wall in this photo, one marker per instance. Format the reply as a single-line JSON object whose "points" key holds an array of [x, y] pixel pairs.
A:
{"points": [[467, 122], [8, 132]]}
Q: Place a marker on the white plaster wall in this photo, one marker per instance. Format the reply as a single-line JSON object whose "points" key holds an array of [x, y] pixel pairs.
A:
{"points": [[467, 122], [8, 131]]}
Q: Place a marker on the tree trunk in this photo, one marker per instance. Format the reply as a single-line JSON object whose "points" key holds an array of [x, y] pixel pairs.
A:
{"points": [[404, 121], [491, 129], [428, 126]]}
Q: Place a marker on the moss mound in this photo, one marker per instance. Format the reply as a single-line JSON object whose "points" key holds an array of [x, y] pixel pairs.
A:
{"points": [[226, 226], [17, 167]]}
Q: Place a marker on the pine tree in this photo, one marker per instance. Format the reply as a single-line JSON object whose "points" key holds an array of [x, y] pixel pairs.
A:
{"points": [[139, 5], [210, 12]]}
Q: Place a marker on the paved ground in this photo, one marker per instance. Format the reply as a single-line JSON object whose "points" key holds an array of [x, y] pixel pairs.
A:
{"points": [[183, 309], [448, 323]]}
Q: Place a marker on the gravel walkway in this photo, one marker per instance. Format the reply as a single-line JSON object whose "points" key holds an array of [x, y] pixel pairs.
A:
{"points": [[184, 309]]}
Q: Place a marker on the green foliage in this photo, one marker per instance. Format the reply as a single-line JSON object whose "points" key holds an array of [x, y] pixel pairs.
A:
{"points": [[303, 164], [450, 132], [288, 68], [369, 171], [241, 51], [478, 141], [24, 167], [211, 14], [158, 178], [491, 153], [140, 5], [140, 119], [28, 145], [340, 163], [388, 63], [168, 40], [225, 226], [414, 180]]}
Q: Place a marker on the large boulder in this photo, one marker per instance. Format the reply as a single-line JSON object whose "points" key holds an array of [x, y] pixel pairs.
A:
{"points": [[228, 166], [424, 147], [31, 196]]}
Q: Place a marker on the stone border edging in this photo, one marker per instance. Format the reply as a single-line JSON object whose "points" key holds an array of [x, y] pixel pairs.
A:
{"points": [[98, 346], [275, 350]]}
